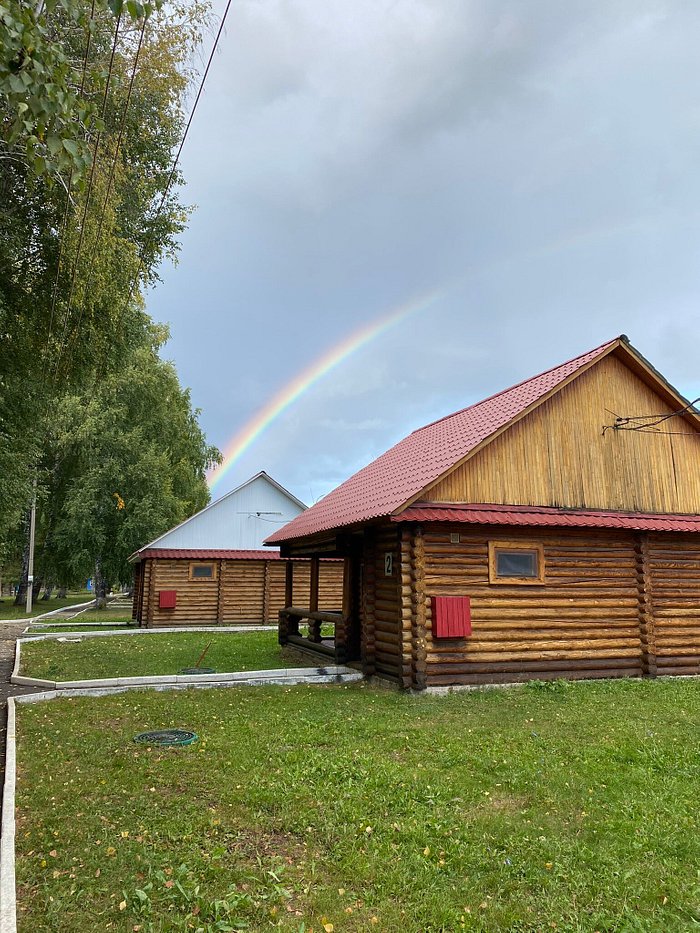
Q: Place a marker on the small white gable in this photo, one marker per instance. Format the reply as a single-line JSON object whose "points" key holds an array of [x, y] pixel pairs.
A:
{"points": [[240, 520]]}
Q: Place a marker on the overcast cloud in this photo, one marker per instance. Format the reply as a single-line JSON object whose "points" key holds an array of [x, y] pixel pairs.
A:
{"points": [[538, 162]]}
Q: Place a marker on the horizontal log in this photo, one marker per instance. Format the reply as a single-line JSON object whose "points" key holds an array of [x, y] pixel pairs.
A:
{"points": [[332, 617], [517, 653], [474, 679], [530, 666], [542, 613], [506, 625]]}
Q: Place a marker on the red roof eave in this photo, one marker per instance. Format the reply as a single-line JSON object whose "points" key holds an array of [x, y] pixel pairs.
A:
{"points": [[171, 553], [177, 553], [545, 517]]}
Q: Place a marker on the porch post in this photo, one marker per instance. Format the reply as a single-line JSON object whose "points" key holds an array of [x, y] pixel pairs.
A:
{"points": [[314, 624], [341, 628], [313, 592], [289, 584]]}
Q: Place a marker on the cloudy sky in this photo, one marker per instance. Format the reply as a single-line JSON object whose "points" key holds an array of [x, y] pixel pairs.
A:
{"points": [[537, 164]]}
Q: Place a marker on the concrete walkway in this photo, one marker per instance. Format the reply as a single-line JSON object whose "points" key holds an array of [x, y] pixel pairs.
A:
{"points": [[9, 633]]}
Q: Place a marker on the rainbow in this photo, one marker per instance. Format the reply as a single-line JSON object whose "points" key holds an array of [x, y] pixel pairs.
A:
{"points": [[262, 419]]}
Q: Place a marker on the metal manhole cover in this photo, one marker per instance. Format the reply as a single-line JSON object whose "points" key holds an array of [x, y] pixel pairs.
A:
{"points": [[166, 737], [197, 670]]}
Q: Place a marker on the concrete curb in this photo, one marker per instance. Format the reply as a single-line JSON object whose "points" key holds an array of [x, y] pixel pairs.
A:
{"points": [[8, 895], [181, 629], [283, 675], [316, 677]]}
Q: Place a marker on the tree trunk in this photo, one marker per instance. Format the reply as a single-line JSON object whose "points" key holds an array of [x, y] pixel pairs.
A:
{"points": [[36, 589], [101, 586], [21, 597]]}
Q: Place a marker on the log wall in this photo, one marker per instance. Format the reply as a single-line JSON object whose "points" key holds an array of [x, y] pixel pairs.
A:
{"points": [[614, 604], [382, 628], [584, 622], [674, 570], [244, 591]]}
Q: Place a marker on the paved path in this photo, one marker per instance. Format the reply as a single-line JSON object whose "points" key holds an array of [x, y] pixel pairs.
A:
{"points": [[9, 633]]}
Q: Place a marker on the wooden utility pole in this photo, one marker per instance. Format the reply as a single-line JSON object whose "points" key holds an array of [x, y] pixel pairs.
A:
{"points": [[30, 567]]}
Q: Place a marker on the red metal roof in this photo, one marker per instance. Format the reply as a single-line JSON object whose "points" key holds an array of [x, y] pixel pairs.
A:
{"points": [[421, 458], [172, 553], [176, 553], [545, 516]]}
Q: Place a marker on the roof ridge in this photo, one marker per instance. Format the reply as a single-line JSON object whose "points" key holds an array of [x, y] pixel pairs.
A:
{"points": [[416, 462], [517, 385]]}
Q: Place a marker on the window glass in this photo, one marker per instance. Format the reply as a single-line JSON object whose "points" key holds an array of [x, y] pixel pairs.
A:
{"points": [[516, 563], [202, 571]]}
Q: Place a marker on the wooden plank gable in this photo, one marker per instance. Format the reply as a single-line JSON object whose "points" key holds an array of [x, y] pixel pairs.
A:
{"points": [[559, 455]]}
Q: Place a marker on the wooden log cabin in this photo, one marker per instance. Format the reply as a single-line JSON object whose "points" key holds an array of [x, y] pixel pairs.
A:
{"points": [[550, 531], [212, 568]]}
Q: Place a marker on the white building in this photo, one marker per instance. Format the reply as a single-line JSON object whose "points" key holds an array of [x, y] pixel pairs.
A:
{"points": [[238, 521]]}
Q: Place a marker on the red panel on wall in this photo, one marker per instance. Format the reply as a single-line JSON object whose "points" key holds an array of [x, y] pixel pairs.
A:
{"points": [[167, 599], [452, 616]]}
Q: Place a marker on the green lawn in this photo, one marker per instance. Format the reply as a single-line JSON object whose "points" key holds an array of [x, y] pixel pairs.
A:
{"points": [[350, 809], [140, 655], [8, 611]]}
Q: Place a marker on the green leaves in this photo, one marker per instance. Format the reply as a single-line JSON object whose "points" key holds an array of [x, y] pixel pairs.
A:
{"points": [[41, 78]]}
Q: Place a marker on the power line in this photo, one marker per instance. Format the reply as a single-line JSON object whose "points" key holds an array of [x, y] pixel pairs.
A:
{"points": [[64, 223], [179, 151], [96, 243], [668, 433], [87, 197], [646, 424]]}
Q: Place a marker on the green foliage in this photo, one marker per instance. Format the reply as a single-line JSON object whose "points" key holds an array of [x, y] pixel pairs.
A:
{"points": [[49, 120], [121, 466], [70, 304]]}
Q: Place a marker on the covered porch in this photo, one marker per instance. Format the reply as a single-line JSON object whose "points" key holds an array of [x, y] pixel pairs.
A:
{"points": [[333, 634]]}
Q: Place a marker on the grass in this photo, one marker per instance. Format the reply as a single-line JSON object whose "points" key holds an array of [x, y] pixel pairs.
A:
{"points": [[8, 611], [140, 655], [568, 808]]}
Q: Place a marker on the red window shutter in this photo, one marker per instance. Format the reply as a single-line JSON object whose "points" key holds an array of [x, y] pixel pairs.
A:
{"points": [[452, 617], [167, 599]]}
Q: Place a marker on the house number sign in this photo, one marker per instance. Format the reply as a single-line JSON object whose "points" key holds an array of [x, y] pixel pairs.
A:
{"points": [[388, 564]]}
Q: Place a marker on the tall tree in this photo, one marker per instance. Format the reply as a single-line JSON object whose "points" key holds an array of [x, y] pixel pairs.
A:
{"points": [[121, 467], [89, 204]]}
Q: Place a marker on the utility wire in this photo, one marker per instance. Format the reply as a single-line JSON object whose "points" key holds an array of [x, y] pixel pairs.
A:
{"points": [[179, 153], [668, 433], [64, 222], [83, 223], [646, 425], [122, 126]]}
